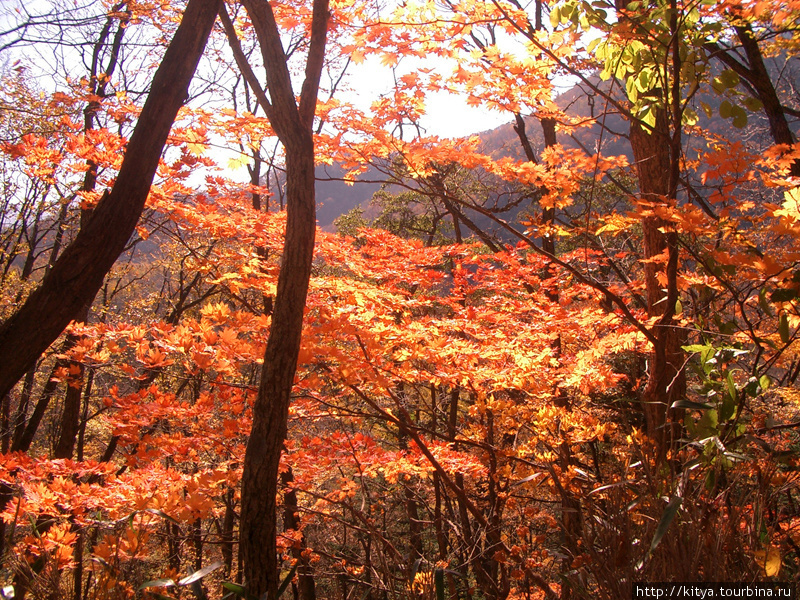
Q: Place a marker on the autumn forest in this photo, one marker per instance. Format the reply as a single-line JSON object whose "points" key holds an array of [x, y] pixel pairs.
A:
{"points": [[547, 361]]}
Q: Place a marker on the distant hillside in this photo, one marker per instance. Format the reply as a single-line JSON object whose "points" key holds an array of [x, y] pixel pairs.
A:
{"points": [[336, 197]]}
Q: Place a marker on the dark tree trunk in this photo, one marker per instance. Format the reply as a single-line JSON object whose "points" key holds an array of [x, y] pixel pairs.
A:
{"points": [[70, 417], [226, 534], [759, 83], [293, 124], [79, 272], [271, 409]]}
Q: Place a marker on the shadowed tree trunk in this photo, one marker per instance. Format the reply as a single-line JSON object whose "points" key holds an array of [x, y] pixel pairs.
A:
{"points": [[78, 274], [293, 125], [758, 83]]}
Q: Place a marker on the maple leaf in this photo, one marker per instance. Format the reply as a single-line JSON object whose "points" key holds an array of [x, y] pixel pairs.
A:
{"points": [[195, 142]]}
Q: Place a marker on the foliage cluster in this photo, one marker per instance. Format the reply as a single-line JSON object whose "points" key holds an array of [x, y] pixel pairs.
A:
{"points": [[600, 388]]}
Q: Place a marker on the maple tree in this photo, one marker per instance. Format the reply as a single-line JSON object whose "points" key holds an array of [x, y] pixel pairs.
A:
{"points": [[585, 379]]}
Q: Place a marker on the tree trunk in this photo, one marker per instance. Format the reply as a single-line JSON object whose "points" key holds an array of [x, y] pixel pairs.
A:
{"points": [[651, 152], [78, 274], [760, 84], [271, 409], [293, 124]]}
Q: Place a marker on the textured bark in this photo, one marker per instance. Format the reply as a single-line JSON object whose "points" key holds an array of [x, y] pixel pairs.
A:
{"points": [[651, 152], [78, 274], [271, 409], [226, 534], [760, 83], [657, 154], [292, 123], [71, 416]]}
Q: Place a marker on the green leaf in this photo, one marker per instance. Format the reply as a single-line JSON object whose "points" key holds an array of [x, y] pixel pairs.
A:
{"points": [[732, 393], [783, 328], [643, 80], [200, 574], [729, 78], [555, 16], [601, 16], [633, 91], [285, 583], [753, 104], [692, 348], [739, 117], [157, 583], [728, 407], [763, 303], [237, 589], [765, 382], [725, 109], [666, 518], [708, 423], [198, 591], [648, 116], [691, 405]]}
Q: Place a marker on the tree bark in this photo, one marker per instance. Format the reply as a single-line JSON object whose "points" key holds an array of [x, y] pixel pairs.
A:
{"points": [[293, 124], [657, 156], [760, 83], [305, 588], [271, 409], [78, 274]]}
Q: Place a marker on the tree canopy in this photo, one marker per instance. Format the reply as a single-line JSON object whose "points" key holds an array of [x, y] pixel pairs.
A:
{"points": [[550, 360]]}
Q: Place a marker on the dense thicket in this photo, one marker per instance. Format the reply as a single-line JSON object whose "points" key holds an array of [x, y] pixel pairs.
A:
{"points": [[548, 366]]}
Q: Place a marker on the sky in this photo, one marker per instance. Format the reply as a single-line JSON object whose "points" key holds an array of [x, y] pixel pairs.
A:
{"points": [[447, 115]]}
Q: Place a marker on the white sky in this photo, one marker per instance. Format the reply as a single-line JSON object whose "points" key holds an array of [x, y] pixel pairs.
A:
{"points": [[447, 114]]}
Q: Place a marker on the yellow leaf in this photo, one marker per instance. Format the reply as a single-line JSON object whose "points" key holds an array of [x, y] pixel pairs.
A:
{"points": [[238, 161], [195, 142], [769, 560]]}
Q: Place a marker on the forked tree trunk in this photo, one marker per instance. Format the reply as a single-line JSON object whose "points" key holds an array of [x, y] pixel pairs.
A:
{"points": [[293, 124]]}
